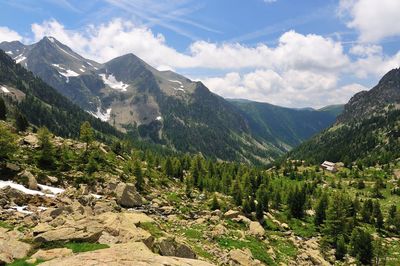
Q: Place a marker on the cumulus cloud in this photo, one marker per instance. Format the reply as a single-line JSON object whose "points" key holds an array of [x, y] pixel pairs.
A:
{"points": [[291, 88], [7, 35], [373, 19], [300, 70]]}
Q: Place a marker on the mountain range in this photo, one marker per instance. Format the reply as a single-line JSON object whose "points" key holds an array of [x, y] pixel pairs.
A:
{"points": [[167, 108], [368, 129]]}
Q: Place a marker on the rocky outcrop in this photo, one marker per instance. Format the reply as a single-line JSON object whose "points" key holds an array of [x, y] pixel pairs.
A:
{"points": [[242, 257], [132, 253], [255, 229], [231, 214], [127, 196], [29, 179], [169, 247], [52, 254], [10, 246], [107, 228]]}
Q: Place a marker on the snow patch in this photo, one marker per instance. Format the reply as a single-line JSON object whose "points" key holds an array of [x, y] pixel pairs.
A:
{"points": [[4, 89], [28, 191], [175, 81], [21, 209], [112, 82], [158, 118], [53, 190], [51, 39], [96, 196], [19, 58], [9, 52], [100, 115], [179, 89], [82, 70]]}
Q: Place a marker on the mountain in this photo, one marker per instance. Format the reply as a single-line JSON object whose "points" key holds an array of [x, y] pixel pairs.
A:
{"points": [[368, 130], [335, 109], [284, 125], [41, 104], [165, 107]]}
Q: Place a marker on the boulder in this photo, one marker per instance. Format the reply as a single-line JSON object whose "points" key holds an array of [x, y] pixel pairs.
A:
{"points": [[127, 196], [29, 179], [132, 253], [52, 253], [255, 229], [10, 247], [242, 257], [242, 219], [231, 214], [31, 140], [169, 247], [218, 230]]}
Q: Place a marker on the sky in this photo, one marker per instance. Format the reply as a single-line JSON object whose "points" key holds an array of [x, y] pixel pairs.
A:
{"points": [[292, 53]]}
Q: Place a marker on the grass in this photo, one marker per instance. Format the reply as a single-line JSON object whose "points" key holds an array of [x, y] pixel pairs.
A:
{"points": [[152, 228], [393, 254], [76, 247], [22, 262], [85, 247], [202, 253], [303, 228], [6, 225], [193, 233], [258, 248]]}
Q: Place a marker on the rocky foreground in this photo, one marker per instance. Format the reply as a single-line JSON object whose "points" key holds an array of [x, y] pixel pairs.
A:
{"points": [[55, 222]]}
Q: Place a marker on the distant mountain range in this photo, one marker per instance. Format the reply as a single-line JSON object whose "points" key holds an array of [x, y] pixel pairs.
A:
{"points": [[167, 108], [368, 130]]}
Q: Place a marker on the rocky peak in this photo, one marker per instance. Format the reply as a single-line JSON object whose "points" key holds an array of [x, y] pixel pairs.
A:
{"points": [[375, 101]]}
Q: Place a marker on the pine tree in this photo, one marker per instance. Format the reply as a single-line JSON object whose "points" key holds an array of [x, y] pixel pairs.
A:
{"points": [[320, 210], [21, 123], [47, 154], [341, 248], [377, 214], [7, 142], [361, 246], [335, 223], [215, 204], [366, 211], [3, 109], [168, 168], [86, 134], [137, 172]]}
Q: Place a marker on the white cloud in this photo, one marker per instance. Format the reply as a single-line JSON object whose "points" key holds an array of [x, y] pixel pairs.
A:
{"points": [[270, 1], [7, 35], [373, 19], [292, 88], [301, 70]]}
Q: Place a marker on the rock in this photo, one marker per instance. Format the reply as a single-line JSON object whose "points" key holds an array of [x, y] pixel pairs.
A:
{"points": [[165, 246], [15, 196], [52, 253], [231, 214], [242, 219], [13, 167], [169, 247], [242, 257], [132, 253], [29, 179], [127, 195], [184, 251], [255, 229], [10, 247], [31, 140], [52, 179], [218, 230]]}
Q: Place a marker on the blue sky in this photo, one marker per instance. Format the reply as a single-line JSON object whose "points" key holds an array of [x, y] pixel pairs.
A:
{"points": [[287, 52]]}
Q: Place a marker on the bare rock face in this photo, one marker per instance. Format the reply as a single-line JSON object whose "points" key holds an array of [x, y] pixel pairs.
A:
{"points": [[255, 229], [169, 247], [231, 214], [127, 196], [30, 180], [132, 253], [107, 228], [242, 257], [10, 247], [52, 253]]}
